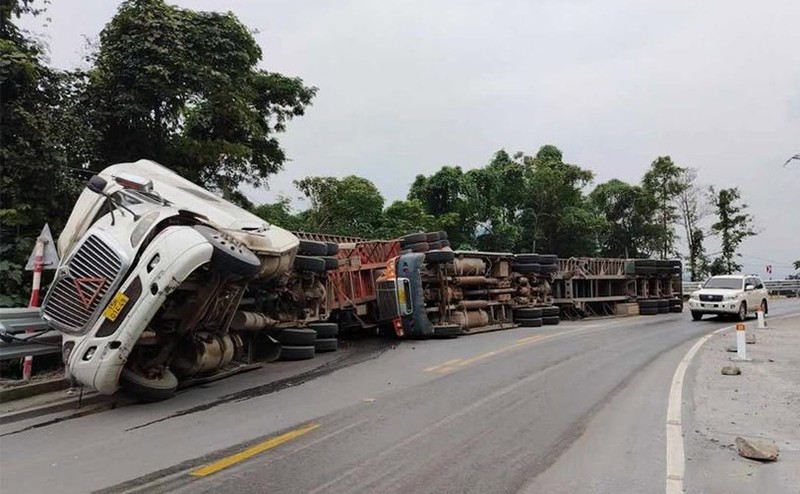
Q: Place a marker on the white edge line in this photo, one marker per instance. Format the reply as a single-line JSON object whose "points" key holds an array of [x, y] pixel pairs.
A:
{"points": [[676, 459]]}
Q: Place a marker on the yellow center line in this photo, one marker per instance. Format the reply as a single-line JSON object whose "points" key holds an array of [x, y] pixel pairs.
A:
{"points": [[451, 365], [445, 364], [228, 461]]}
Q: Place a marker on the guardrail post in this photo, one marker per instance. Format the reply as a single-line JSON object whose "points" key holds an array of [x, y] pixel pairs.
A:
{"points": [[741, 343]]}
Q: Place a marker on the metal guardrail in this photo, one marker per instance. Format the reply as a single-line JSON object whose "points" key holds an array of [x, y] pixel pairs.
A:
{"points": [[17, 342], [774, 287]]}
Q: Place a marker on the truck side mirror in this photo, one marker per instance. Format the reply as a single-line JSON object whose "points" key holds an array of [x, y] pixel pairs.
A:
{"points": [[97, 184], [749, 288]]}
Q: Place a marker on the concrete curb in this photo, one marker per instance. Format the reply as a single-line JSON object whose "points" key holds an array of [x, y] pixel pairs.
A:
{"points": [[27, 390]]}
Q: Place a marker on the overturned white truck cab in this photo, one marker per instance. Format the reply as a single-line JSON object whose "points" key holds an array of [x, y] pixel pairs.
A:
{"points": [[152, 274]]}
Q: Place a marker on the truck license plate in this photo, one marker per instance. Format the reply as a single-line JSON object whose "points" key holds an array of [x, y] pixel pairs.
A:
{"points": [[115, 306]]}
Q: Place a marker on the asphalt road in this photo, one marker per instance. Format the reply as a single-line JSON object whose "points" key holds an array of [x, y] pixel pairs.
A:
{"points": [[578, 407]]}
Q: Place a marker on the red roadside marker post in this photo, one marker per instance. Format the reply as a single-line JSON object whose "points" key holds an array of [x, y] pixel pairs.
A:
{"points": [[44, 256]]}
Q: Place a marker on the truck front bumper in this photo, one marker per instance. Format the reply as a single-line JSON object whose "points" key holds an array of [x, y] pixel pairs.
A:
{"points": [[724, 307]]}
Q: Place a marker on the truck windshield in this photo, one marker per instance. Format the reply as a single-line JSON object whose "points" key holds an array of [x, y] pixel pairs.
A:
{"points": [[724, 283]]}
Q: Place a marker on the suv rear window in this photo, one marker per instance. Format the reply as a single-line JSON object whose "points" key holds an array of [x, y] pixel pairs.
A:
{"points": [[724, 283]]}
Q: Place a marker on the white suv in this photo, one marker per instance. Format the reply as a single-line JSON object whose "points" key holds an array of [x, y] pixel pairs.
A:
{"points": [[729, 295]]}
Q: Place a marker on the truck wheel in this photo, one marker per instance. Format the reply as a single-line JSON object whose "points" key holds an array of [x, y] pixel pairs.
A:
{"points": [[548, 268], [331, 263], [527, 258], [553, 310], [307, 263], [442, 235], [297, 337], [696, 316], [326, 345], [432, 237], [439, 256], [528, 313], [148, 390], [548, 259], [333, 248], [764, 307], [413, 238], [325, 329], [435, 245], [446, 331], [531, 268], [445, 243], [296, 352], [533, 322], [312, 248], [419, 247], [551, 320], [230, 256]]}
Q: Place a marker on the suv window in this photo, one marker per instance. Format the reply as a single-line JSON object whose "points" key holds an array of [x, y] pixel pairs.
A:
{"points": [[758, 283], [724, 283]]}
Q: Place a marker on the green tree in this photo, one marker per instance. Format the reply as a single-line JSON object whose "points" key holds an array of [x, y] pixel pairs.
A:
{"points": [[345, 206], [36, 143], [441, 194], [556, 216], [663, 181], [628, 211], [402, 217], [733, 225], [280, 214], [693, 207], [797, 264], [183, 88]]}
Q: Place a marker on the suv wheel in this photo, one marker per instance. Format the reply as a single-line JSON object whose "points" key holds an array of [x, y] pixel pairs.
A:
{"points": [[696, 316], [764, 307], [742, 315]]}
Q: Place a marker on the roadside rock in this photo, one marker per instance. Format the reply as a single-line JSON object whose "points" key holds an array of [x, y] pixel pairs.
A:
{"points": [[756, 450], [731, 370]]}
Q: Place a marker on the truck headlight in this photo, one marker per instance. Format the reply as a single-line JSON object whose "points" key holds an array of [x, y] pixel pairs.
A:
{"points": [[142, 227]]}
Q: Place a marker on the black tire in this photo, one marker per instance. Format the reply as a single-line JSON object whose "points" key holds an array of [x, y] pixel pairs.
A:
{"points": [[333, 248], [297, 337], [312, 264], [648, 304], [528, 313], [229, 256], [548, 268], [527, 258], [326, 345], [547, 259], [331, 263], [325, 329], [551, 320], [297, 352], [696, 316], [148, 390], [551, 311], [445, 243], [531, 268], [646, 262], [648, 311], [439, 256], [413, 238], [764, 306], [442, 235], [663, 310], [432, 237], [447, 331], [435, 245], [312, 248], [419, 247], [663, 306], [742, 314], [533, 322], [676, 308]]}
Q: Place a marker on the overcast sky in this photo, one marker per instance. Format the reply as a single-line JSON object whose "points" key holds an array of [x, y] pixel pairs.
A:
{"points": [[409, 86]]}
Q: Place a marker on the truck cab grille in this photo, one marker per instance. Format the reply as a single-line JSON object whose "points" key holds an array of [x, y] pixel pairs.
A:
{"points": [[80, 288]]}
